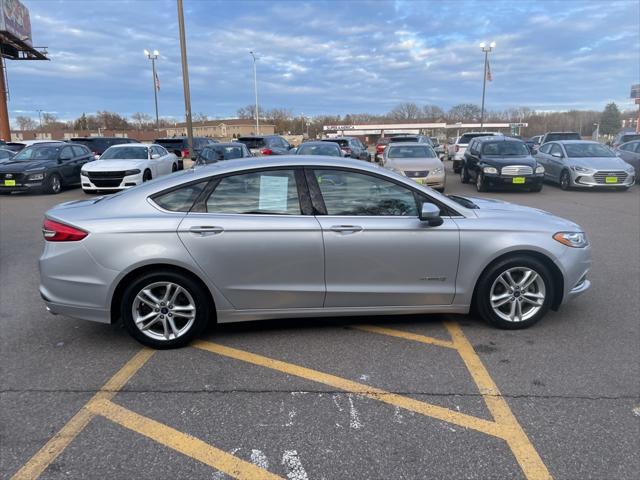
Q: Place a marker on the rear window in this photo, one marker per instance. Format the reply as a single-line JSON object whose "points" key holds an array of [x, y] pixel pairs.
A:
{"points": [[467, 137], [319, 149], [628, 138], [552, 137], [253, 142], [94, 144], [170, 142], [403, 139], [180, 199], [340, 141]]}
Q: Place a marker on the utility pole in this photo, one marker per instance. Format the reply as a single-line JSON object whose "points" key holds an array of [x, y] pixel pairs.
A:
{"points": [[5, 129], [486, 49], [185, 79], [40, 118], [153, 56], [255, 88]]}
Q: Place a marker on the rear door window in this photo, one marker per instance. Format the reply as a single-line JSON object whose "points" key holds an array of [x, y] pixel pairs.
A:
{"points": [[253, 143], [79, 151], [265, 192]]}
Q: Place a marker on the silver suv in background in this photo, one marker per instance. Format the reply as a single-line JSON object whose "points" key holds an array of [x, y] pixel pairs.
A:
{"points": [[459, 146], [557, 136]]}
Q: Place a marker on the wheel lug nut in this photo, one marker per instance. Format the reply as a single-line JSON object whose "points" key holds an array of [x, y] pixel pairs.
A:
{"points": [[161, 317], [170, 315], [162, 304], [157, 309]]}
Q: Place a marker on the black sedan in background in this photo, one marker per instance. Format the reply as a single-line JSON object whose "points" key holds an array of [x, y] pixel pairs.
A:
{"points": [[222, 151], [44, 167], [351, 147], [320, 148], [501, 162]]}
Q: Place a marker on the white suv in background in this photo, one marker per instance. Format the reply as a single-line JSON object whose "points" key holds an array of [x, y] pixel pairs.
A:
{"points": [[457, 149]]}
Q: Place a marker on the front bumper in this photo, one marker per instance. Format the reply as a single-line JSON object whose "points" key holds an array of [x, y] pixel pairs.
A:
{"points": [[598, 179], [23, 187], [507, 181], [575, 263], [97, 185]]}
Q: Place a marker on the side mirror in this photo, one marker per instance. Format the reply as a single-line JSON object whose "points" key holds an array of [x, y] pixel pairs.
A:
{"points": [[556, 154], [430, 213], [155, 156]]}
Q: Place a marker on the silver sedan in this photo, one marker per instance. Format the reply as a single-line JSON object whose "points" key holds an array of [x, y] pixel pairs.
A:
{"points": [[586, 164], [301, 236]]}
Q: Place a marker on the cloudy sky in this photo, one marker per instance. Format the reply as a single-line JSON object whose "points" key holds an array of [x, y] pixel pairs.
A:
{"points": [[327, 57]]}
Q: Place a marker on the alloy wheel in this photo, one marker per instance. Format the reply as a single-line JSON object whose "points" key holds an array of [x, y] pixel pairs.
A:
{"points": [[564, 180], [56, 185], [163, 311], [517, 294]]}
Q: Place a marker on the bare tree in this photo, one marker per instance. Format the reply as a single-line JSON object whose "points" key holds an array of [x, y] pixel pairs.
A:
{"points": [[405, 111], [26, 123], [200, 117], [464, 112], [433, 113], [141, 120]]}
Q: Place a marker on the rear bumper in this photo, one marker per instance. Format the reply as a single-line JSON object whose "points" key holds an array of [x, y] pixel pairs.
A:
{"points": [[81, 313]]}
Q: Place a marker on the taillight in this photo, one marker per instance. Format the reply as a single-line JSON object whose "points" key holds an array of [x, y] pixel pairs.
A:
{"points": [[380, 148], [59, 232], [266, 151], [185, 152], [346, 149], [457, 148]]}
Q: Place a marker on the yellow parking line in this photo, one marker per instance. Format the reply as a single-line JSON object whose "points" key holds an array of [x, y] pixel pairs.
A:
{"points": [[427, 409], [180, 442], [56, 445], [522, 448], [406, 335]]}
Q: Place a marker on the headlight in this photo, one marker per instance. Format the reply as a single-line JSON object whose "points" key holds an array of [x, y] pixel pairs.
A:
{"points": [[577, 168], [83, 173], [436, 171], [572, 239], [631, 170], [131, 172], [490, 170], [36, 176], [539, 169]]}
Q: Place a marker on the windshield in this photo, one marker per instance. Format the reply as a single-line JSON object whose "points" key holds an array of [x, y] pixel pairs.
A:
{"points": [[319, 149], [628, 138], [411, 151], [253, 142], [37, 152], [552, 137], [582, 150], [125, 153], [505, 148]]}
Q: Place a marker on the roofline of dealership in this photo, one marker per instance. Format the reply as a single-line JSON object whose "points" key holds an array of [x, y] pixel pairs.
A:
{"points": [[383, 127]]}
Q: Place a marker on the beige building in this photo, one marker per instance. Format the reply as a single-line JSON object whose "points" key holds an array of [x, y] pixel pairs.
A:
{"points": [[222, 129]]}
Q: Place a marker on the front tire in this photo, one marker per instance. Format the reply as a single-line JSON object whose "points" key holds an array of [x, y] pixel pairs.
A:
{"points": [[146, 176], [514, 293], [53, 184], [565, 180], [164, 310], [464, 175], [481, 185], [174, 168]]}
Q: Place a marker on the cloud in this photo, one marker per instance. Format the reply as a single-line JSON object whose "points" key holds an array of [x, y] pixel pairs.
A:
{"points": [[317, 58]]}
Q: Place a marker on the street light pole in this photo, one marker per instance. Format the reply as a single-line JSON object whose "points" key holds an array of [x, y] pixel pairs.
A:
{"points": [[153, 56], [40, 118], [185, 79], [255, 88], [486, 49]]}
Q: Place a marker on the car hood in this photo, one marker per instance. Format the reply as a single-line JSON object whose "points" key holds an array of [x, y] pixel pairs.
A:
{"points": [[413, 164], [16, 167], [509, 160], [492, 208], [599, 163], [113, 165]]}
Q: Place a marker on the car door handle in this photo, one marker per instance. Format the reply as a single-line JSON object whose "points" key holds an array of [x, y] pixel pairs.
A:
{"points": [[346, 228], [206, 229]]}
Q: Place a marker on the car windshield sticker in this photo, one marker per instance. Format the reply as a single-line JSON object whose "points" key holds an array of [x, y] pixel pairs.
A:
{"points": [[273, 193]]}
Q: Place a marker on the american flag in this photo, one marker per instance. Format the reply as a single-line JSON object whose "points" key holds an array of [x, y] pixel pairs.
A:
{"points": [[488, 73], [157, 83]]}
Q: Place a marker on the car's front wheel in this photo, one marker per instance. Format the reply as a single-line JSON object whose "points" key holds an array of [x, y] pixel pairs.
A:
{"points": [[514, 293], [565, 180], [481, 185], [164, 310], [53, 184], [464, 174]]}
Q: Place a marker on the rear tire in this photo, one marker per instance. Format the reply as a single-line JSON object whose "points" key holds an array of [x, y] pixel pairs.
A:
{"points": [[521, 307], [146, 176], [174, 168], [164, 324], [53, 185]]}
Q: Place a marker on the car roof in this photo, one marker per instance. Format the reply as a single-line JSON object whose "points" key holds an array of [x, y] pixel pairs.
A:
{"points": [[225, 144], [132, 145], [501, 138], [33, 142], [337, 138], [100, 138], [413, 144], [574, 141], [313, 141]]}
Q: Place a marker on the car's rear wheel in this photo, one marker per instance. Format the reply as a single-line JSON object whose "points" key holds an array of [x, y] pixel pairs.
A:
{"points": [[565, 180], [174, 168], [53, 184], [164, 310], [514, 293], [146, 176]]}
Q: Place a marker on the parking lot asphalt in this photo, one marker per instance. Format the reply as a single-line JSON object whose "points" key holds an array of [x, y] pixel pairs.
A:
{"points": [[431, 396]]}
